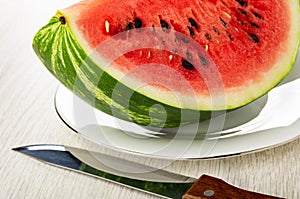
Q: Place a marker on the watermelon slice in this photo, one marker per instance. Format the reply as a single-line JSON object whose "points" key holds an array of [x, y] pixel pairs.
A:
{"points": [[167, 63]]}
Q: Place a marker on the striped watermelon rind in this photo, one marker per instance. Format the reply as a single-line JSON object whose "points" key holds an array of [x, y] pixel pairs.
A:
{"points": [[64, 57]]}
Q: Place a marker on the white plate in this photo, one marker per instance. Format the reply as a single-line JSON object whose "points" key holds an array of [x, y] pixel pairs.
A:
{"points": [[278, 112]]}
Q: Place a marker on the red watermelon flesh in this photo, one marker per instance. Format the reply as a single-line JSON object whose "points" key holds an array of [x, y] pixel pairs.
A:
{"points": [[251, 43]]}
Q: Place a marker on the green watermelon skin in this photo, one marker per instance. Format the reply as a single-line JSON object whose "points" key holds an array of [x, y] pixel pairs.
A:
{"points": [[63, 56]]}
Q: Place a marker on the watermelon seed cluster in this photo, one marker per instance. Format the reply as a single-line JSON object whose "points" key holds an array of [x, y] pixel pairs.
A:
{"points": [[243, 12], [137, 23], [193, 28]]}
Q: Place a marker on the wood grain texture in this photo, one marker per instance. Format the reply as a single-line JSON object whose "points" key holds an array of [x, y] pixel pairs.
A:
{"points": [[209, 187], [27, 116]]}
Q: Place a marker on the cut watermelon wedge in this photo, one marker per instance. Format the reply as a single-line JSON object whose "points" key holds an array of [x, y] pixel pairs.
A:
{"points": [[165, 63]]}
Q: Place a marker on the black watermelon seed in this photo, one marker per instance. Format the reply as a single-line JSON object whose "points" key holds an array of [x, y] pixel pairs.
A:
{"points": [[223, 22], [192, 33], [257, 15], [208, 36], [187, 65], [203, 60], [254, 37], [137, 23], [243, 11], [229, 36], [164, 25], [216, 30], [62, 20], [254, 25], [242, 3], [193, 23], [129, 26]]}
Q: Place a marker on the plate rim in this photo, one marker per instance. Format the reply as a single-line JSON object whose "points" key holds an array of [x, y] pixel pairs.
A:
{"points": [[60, 89]]}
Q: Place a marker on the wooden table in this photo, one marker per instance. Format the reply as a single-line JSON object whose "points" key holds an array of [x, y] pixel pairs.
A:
{"points": [[27, 116]]}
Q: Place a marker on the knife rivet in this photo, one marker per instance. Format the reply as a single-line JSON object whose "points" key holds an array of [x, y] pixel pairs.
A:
{"points": [[209, 193]]}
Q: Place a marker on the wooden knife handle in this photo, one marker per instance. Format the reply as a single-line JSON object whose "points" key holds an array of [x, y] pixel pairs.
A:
{"points": [[208, 187]]}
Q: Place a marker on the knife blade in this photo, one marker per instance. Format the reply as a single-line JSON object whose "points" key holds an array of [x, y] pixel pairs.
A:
{"points": [[138, 176]]}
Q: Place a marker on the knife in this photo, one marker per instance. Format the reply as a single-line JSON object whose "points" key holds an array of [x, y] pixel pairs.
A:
{"points": [[138, 176]]}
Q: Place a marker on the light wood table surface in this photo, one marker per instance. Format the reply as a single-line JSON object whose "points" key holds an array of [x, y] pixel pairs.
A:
{"points": [[28, 116]]}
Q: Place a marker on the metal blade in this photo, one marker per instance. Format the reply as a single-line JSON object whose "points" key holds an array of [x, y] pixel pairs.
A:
{"points": [[121, 171]]}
